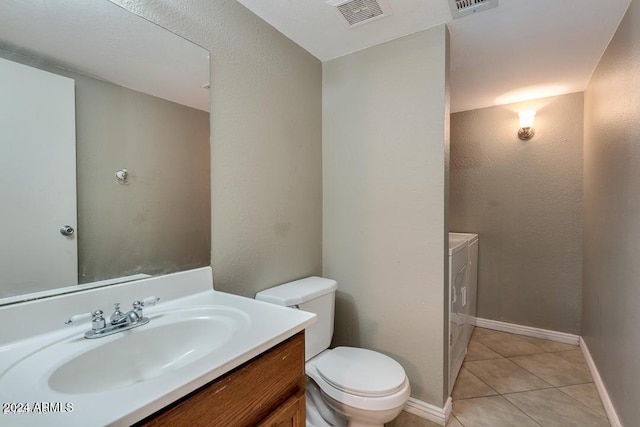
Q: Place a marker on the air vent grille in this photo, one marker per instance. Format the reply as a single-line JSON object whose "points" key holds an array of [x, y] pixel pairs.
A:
{"points": [[357, 12], [460, 8]]}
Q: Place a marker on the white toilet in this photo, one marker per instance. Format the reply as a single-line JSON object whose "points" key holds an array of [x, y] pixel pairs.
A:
{"points": [[346, 386]]}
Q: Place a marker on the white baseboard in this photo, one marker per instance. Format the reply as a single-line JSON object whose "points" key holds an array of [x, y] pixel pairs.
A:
{"points": [[528, 331], [429, 412], [602, 390]]}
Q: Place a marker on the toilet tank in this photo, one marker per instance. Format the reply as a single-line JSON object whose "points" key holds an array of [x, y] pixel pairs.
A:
{"points": [[312, 294]]}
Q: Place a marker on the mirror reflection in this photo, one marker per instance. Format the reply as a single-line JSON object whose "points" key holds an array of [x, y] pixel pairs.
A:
{"points": [[104, 151]]}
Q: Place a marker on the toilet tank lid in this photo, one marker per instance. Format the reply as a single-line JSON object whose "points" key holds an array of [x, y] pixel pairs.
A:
{"points": [[298, 292]]}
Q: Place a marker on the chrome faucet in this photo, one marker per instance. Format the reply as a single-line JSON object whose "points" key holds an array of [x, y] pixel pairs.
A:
{"points": [[128, 318], [118, 321]]}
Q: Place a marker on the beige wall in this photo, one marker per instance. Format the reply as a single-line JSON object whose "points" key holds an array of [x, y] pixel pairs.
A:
{"points": [[611, 305], [383, 125], [266, 146], [524, 199]]}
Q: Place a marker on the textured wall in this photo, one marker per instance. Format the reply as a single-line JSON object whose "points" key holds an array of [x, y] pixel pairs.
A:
{"points": [[524, 199], [384, 117], [266, 143], [611, 313]]}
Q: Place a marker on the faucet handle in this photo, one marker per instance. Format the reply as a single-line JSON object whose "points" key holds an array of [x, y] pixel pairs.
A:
{"points": [[83, 317], [150, 301], [78, 318], [137, 305]]}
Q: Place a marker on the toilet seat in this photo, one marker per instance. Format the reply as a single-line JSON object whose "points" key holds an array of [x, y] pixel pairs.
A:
{"points": [[360, 378], [361, 372]]}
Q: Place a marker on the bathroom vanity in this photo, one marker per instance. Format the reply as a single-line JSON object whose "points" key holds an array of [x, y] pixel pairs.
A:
{"points": [[204, 358], [266, 391], [128, 101]]}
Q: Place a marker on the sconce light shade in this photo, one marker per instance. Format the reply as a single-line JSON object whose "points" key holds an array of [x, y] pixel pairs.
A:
{"points": [[526, 124]]}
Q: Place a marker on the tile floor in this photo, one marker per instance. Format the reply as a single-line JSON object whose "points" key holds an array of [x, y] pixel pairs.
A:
{"points": [[515, 381]]}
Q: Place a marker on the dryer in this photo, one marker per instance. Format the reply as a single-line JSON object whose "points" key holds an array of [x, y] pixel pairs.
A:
{"points": [[463, 280], [458, 280], [472, 285]]}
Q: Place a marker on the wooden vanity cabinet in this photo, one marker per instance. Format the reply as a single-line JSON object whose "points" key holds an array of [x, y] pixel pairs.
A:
{"points": [[267, 391]]}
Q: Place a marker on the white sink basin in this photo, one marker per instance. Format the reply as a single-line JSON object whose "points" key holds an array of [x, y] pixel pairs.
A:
{"points": [[170, 341], [195, 335]]}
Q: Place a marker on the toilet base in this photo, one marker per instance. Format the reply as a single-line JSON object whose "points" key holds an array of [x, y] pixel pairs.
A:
{"points": [[324, 411], [361, 418], [319, 414]]}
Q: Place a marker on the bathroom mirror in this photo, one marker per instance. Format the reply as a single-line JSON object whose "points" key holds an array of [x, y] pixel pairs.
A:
{"points": [[103, 114]]}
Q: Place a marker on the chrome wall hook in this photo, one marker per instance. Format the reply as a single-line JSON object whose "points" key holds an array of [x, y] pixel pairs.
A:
{"points": [[122, 176]]}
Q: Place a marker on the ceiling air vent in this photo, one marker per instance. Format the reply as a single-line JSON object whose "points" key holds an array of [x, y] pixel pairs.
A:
{"points": [[460, 8], [357, 12]]}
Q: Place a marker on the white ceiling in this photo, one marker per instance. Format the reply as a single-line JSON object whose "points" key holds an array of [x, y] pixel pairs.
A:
{"points": [[522, 49], [103, 40]]}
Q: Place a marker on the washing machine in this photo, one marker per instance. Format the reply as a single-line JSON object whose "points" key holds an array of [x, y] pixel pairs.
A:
{"points": [[458, 280], [471, 293], [463, 291]]}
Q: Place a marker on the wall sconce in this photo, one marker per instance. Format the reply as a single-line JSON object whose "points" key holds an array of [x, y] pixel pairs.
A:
{"points": [[526, 125]]}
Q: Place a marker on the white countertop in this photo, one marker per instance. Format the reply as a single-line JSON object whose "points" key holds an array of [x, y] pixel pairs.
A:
{"points": [[266, 326]]}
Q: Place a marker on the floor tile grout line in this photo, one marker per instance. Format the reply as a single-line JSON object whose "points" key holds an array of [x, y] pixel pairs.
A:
{"points": [[531, 373], [510, 403], [482, 381], [541, 379], [459, 422], [570, 385], [514, 355], [555, 388], [478, 342], [478, 397], [522, 410], [575, 365], [524, 338], [565, 351], [552, 385], [513, 392], [584, 404], [524, 391]]}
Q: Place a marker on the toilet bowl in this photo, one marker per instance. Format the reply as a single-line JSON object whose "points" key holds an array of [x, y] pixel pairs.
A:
{"points": [[346, 386], [365, 387]]}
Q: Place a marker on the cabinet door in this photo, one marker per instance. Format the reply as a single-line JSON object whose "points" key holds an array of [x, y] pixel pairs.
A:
{"points": [[289, 414], [249, 395]]}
